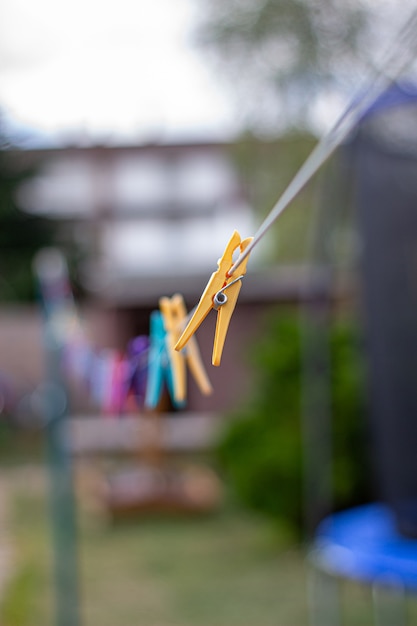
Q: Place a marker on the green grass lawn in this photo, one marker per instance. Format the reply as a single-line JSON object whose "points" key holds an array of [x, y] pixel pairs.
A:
{"points": [[225, 570], [228, 569]]}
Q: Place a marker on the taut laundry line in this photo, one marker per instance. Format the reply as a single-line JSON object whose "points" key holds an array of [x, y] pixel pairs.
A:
{"points": [[397, 58]]}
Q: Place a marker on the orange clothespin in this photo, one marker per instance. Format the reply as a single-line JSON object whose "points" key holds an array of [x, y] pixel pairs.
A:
{"points": [[174, 315], [214, 296]]}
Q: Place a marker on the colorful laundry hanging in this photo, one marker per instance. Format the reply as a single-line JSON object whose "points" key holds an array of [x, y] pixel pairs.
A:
{"points": [[112, 378]]}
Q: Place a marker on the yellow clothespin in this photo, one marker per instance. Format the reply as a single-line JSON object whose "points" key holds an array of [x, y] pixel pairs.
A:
{"points": [[174, 315], [214, 296]]}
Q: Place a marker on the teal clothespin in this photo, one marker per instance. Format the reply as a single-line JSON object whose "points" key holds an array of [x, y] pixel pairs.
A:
{"points": [[159, 364]]}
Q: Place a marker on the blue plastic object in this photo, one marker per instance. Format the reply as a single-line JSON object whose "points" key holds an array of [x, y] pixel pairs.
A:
{"points": [[159, 364], [362, 543]]}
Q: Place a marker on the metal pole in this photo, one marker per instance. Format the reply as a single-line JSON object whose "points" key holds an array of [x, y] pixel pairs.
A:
{"points": [[62, 499]]}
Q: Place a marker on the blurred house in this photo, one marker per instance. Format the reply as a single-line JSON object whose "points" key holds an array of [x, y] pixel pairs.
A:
{"points": [[151, 221]]}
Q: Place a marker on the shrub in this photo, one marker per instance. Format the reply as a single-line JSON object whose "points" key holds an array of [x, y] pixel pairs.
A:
{"points": [[260, 449]]}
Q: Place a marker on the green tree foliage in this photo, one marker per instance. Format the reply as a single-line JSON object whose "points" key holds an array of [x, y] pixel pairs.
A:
{"points": [[279, 53], [21, 235], [267, 167], [261, 447]]}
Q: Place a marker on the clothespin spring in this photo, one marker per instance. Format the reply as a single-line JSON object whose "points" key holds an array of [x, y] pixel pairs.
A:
{"points": [[220, 297]]}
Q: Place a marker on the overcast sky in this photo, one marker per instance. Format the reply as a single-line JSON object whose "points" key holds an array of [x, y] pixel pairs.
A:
{"points": [[125, 68]]}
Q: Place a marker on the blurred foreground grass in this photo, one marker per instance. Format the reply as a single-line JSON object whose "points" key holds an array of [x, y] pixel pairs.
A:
{"points": [[226, 570]]}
